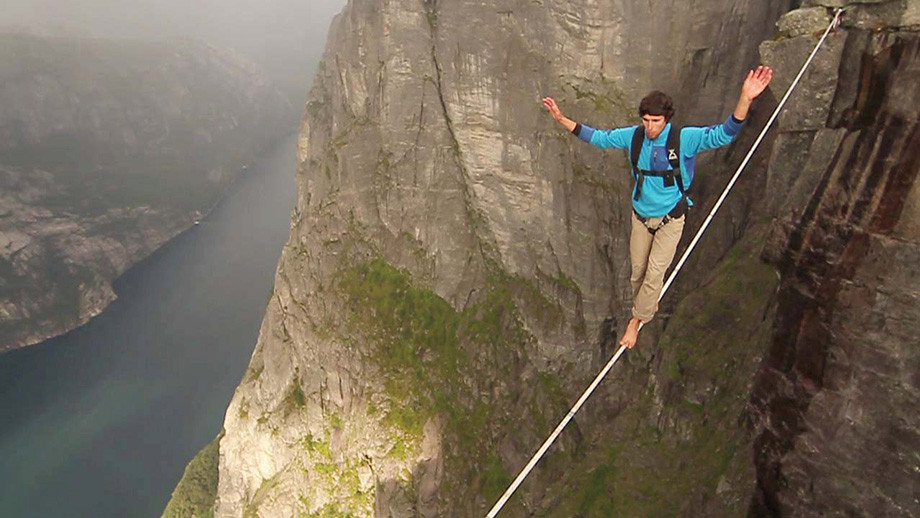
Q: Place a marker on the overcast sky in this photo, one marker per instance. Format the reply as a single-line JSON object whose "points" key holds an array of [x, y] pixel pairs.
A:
{"points": [[285, 37]]}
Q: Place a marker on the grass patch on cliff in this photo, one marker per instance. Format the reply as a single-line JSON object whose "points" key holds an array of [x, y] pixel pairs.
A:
{"points": [[496, 321], [265, 488], [416, 333], [294, 399], [320, 446], [602, 102], [495, 478], [330, 511], [425, 350], [196, 493]]}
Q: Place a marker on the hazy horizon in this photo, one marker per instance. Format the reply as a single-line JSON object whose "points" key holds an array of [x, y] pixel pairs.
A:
{"points": [[283, 37]]}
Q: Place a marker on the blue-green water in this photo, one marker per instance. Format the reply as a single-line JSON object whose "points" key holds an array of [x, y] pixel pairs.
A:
{"points": [[102, 421]]}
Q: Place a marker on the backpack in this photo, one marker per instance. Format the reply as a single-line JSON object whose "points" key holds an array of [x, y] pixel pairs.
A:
{"points": [[673, 149]]}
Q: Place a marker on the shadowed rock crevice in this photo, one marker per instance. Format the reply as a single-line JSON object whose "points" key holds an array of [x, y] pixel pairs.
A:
{"points": [[477, 223]]}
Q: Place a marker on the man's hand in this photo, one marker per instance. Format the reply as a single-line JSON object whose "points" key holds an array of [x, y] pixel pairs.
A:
{"points": [[554, 110], [756, 82]]}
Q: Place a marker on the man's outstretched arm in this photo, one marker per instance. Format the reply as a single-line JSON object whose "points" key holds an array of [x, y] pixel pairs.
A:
{"points": [[697, 139], [613, 138]]}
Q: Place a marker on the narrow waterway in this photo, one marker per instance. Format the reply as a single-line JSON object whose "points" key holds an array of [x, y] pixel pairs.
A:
{"points": [[102, 421]]}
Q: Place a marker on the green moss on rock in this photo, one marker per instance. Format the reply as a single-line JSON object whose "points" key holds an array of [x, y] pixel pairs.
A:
{"points": [[416, 334], [430, 354], [196, 493]]}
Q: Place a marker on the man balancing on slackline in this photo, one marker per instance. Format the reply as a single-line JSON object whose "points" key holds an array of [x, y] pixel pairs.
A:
{"points": [[663, 163]]}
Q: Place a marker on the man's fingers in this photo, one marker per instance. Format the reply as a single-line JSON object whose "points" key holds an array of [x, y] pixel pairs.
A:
{"points": [[550, 104]]}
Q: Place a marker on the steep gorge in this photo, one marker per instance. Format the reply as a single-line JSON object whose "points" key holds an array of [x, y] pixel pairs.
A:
{"points": [[457, 271]]}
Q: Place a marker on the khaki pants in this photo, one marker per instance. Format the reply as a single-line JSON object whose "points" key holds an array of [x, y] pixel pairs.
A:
{"points": [[650, 255]]}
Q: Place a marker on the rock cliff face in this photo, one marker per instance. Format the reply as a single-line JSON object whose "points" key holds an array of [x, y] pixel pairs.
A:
{"points": [[107, 150], [457, 271], [837, 394]]}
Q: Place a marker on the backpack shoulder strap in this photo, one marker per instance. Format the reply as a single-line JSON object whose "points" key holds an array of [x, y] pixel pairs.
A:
{"points": [[673, 149], [636, 147]]}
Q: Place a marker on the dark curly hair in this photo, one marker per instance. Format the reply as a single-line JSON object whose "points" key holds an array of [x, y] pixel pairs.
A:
{"points": [[657, 103]]}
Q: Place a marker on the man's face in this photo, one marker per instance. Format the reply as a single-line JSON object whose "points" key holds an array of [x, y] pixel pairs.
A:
{"points": [[654, 125]]}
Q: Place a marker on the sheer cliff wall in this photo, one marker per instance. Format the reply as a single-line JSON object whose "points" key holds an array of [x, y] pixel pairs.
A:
{"points": [[458, 264], [458, 269], [837, 432]]}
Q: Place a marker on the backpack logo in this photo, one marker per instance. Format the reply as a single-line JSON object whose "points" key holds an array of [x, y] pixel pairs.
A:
{"points": [[672, 154]]}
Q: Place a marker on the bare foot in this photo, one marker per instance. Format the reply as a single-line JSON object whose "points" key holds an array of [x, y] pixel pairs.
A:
{"points": [[631, 334]]}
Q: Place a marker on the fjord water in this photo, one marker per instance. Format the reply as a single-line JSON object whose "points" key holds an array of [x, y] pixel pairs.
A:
{"points": [[102, 421]]}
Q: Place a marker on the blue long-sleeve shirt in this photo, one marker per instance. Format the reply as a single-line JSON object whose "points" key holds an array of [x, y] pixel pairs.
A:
{"points": [[657, 200]]}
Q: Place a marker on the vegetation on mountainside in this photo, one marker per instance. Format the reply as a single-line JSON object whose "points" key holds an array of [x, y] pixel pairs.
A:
{"points": [[612, 104], [438, 361], [196, 493]]}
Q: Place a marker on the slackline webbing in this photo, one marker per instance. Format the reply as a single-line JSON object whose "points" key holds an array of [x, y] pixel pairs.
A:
{"points": [[603, 373]]}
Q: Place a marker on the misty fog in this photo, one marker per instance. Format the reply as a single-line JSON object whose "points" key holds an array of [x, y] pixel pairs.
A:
{"points": [[284, 37]]}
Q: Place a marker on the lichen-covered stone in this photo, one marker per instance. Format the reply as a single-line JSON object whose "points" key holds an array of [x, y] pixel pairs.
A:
{"points": [[809, 105], [874, 14], [804, 22]]}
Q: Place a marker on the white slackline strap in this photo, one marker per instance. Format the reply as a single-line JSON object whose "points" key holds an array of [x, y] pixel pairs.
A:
{"points": [[587, 393]]}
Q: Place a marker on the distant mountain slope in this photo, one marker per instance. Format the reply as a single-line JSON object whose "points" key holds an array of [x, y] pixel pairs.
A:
{"points": [[107, 150]]}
